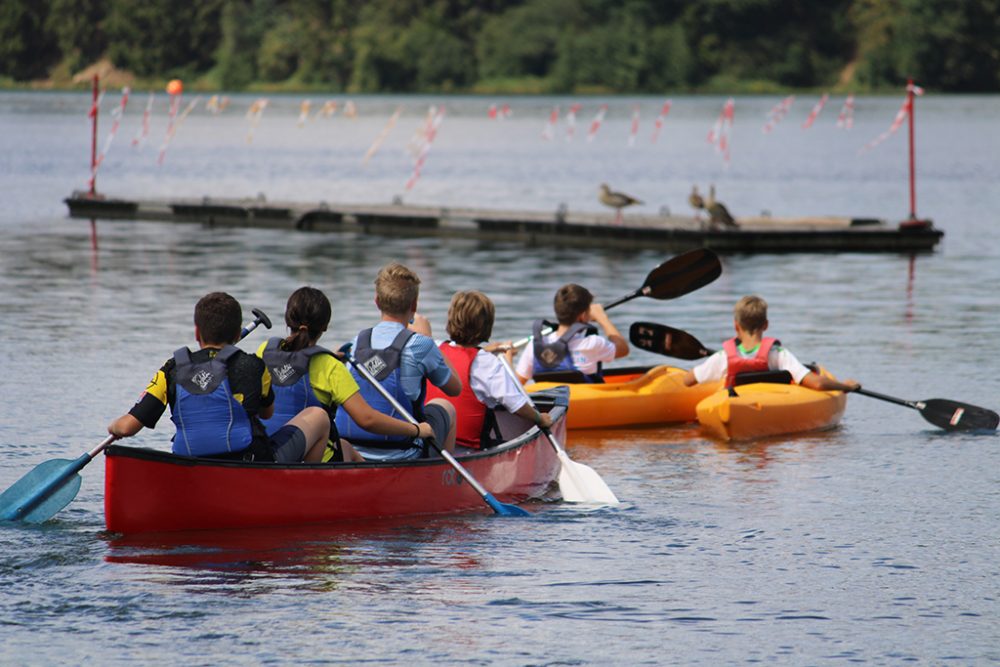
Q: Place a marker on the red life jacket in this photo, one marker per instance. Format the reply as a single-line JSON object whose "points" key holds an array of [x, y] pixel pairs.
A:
{"points": [[469, 411], [736, 363]]}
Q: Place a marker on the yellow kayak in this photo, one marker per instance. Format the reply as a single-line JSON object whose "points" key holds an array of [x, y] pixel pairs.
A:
{"points": [[632, 397], [766, 409]]}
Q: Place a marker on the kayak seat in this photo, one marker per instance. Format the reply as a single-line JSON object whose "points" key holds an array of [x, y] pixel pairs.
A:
{"points": [[569, 377], [770, 377]]}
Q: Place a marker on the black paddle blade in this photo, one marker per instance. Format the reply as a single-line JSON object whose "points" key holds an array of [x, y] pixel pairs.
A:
{"points": [[682, 274], [661, 339], [955, 416]]}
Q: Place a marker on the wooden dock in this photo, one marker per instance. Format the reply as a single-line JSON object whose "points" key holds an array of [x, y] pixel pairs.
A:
{"points": [[663, 232]]}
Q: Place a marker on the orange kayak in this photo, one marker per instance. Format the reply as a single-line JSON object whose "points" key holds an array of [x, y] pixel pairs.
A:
{"points": [[766, 409], [633, 396]]}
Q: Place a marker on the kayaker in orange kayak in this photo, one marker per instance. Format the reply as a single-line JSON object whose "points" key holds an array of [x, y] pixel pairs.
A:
{"points": [[304, 373], [218, 395], [485, 382], [575, 345], [751, 351]]}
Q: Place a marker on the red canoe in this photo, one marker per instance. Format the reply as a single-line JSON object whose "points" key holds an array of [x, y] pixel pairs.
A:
{"points": [[148, 490]]}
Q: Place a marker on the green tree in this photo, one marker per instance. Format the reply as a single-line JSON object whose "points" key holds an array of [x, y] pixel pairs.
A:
{"points": [[27, 49]]}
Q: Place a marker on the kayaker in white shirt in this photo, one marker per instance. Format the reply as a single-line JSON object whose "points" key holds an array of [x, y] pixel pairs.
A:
{"points": [[580, 350], [750, 351]]}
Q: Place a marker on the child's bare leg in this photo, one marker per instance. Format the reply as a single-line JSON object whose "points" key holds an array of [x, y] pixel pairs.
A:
{"points": [[315, 425]]}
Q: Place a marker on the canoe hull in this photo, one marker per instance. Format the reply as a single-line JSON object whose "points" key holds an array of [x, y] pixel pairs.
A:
{"points": [[764, 409], [154, 491], [637, 397]]}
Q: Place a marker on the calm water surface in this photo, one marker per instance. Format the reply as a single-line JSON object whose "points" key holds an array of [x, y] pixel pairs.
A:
{"points": [[874, 543]]}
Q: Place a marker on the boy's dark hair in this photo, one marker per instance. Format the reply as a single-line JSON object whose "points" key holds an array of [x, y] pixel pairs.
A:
{"points": [[219, 318], [571, 301], [470, 318], [307, 315]]}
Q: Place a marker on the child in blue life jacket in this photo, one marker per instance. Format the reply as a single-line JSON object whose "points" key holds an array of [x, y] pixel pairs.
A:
{"points": [[485, 382], [218, 395], [400, 354], [305, 374], [750, 351], [575, 345]]}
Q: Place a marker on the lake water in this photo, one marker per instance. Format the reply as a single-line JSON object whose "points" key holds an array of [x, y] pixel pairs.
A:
{"points": [[873, 543]]}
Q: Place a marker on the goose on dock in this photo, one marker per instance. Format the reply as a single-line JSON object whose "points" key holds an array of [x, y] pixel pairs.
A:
{"points": [[616, 200], [697, 202], [718, 214]]}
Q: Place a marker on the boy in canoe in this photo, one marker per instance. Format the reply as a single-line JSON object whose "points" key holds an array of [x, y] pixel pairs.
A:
{"points": [[485, 382], [750, 352], [575, 345], [399, 352], [305, 374], [218, 395]]}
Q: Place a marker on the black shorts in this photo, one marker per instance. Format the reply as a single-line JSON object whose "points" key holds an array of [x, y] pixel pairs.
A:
{"points": [[288, 444], [437, 417]]}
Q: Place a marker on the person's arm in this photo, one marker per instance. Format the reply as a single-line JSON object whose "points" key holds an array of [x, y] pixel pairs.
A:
{"points": [[610, 331], [525, 365], [421, 325], [540, 419], [689, 379], [125, 426], [372, 420], [823, 383], [712, 368]]}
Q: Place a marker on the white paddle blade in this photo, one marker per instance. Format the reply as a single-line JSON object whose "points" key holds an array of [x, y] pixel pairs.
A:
{"points": [[580, 483]]}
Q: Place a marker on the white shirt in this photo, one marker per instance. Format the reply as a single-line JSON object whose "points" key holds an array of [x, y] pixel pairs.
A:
{"points": [[492, 385], [716, 367], [586, 352]]}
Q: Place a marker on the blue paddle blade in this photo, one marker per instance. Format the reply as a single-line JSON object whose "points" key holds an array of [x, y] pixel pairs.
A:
{"points": [[503, 509], [48, 488]]}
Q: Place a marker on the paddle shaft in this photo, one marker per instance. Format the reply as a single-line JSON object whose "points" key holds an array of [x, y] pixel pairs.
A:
{"points": [[916, 405], [497, 506]]}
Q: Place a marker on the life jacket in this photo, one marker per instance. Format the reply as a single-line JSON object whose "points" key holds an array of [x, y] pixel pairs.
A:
{"points": [[208, 417], [384, 364], [555, 357], [474, 419], [290, 381], [737, 363]]}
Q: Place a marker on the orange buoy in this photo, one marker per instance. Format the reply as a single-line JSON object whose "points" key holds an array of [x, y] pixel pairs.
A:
{"points": [[175, 87]]}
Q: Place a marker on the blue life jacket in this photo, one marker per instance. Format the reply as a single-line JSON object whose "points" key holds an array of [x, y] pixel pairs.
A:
{"points": [[293, 390], [208, 417], [385, 365], [555, 357]]}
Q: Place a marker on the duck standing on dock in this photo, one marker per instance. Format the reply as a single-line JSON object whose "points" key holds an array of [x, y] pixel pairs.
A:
{"points": [[616, 200], [718, 214], [697, 202]]}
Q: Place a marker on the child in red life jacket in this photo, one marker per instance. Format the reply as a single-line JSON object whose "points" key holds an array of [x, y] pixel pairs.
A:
{"points": [[750, 351], [485, 382]]}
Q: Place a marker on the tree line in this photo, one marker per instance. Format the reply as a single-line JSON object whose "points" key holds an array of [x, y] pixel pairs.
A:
{"points": [[511, 46]]}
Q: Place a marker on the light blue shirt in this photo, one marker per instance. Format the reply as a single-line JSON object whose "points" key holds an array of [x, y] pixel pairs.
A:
{"points": [[421, 358]]}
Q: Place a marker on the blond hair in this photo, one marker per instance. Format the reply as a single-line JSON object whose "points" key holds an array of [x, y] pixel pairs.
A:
{"points": [[396, 289], [470, 318], [750, 313]]}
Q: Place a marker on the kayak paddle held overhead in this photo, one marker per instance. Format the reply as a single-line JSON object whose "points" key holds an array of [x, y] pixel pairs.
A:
{"points": [[942, 412], [672, 279], [52, 485]]}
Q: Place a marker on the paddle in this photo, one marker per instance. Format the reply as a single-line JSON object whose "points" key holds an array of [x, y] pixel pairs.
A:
{"points": [[578, 483], [52, 485], [673, 278], [498, 507], [943, 413]]}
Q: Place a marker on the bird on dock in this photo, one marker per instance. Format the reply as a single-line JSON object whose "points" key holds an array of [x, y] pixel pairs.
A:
{"points": [[697, 202], [718, 214], [616, 200]]}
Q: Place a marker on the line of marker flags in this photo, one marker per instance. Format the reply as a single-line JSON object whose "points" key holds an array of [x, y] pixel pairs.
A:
{"points": [[719, 134]]}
